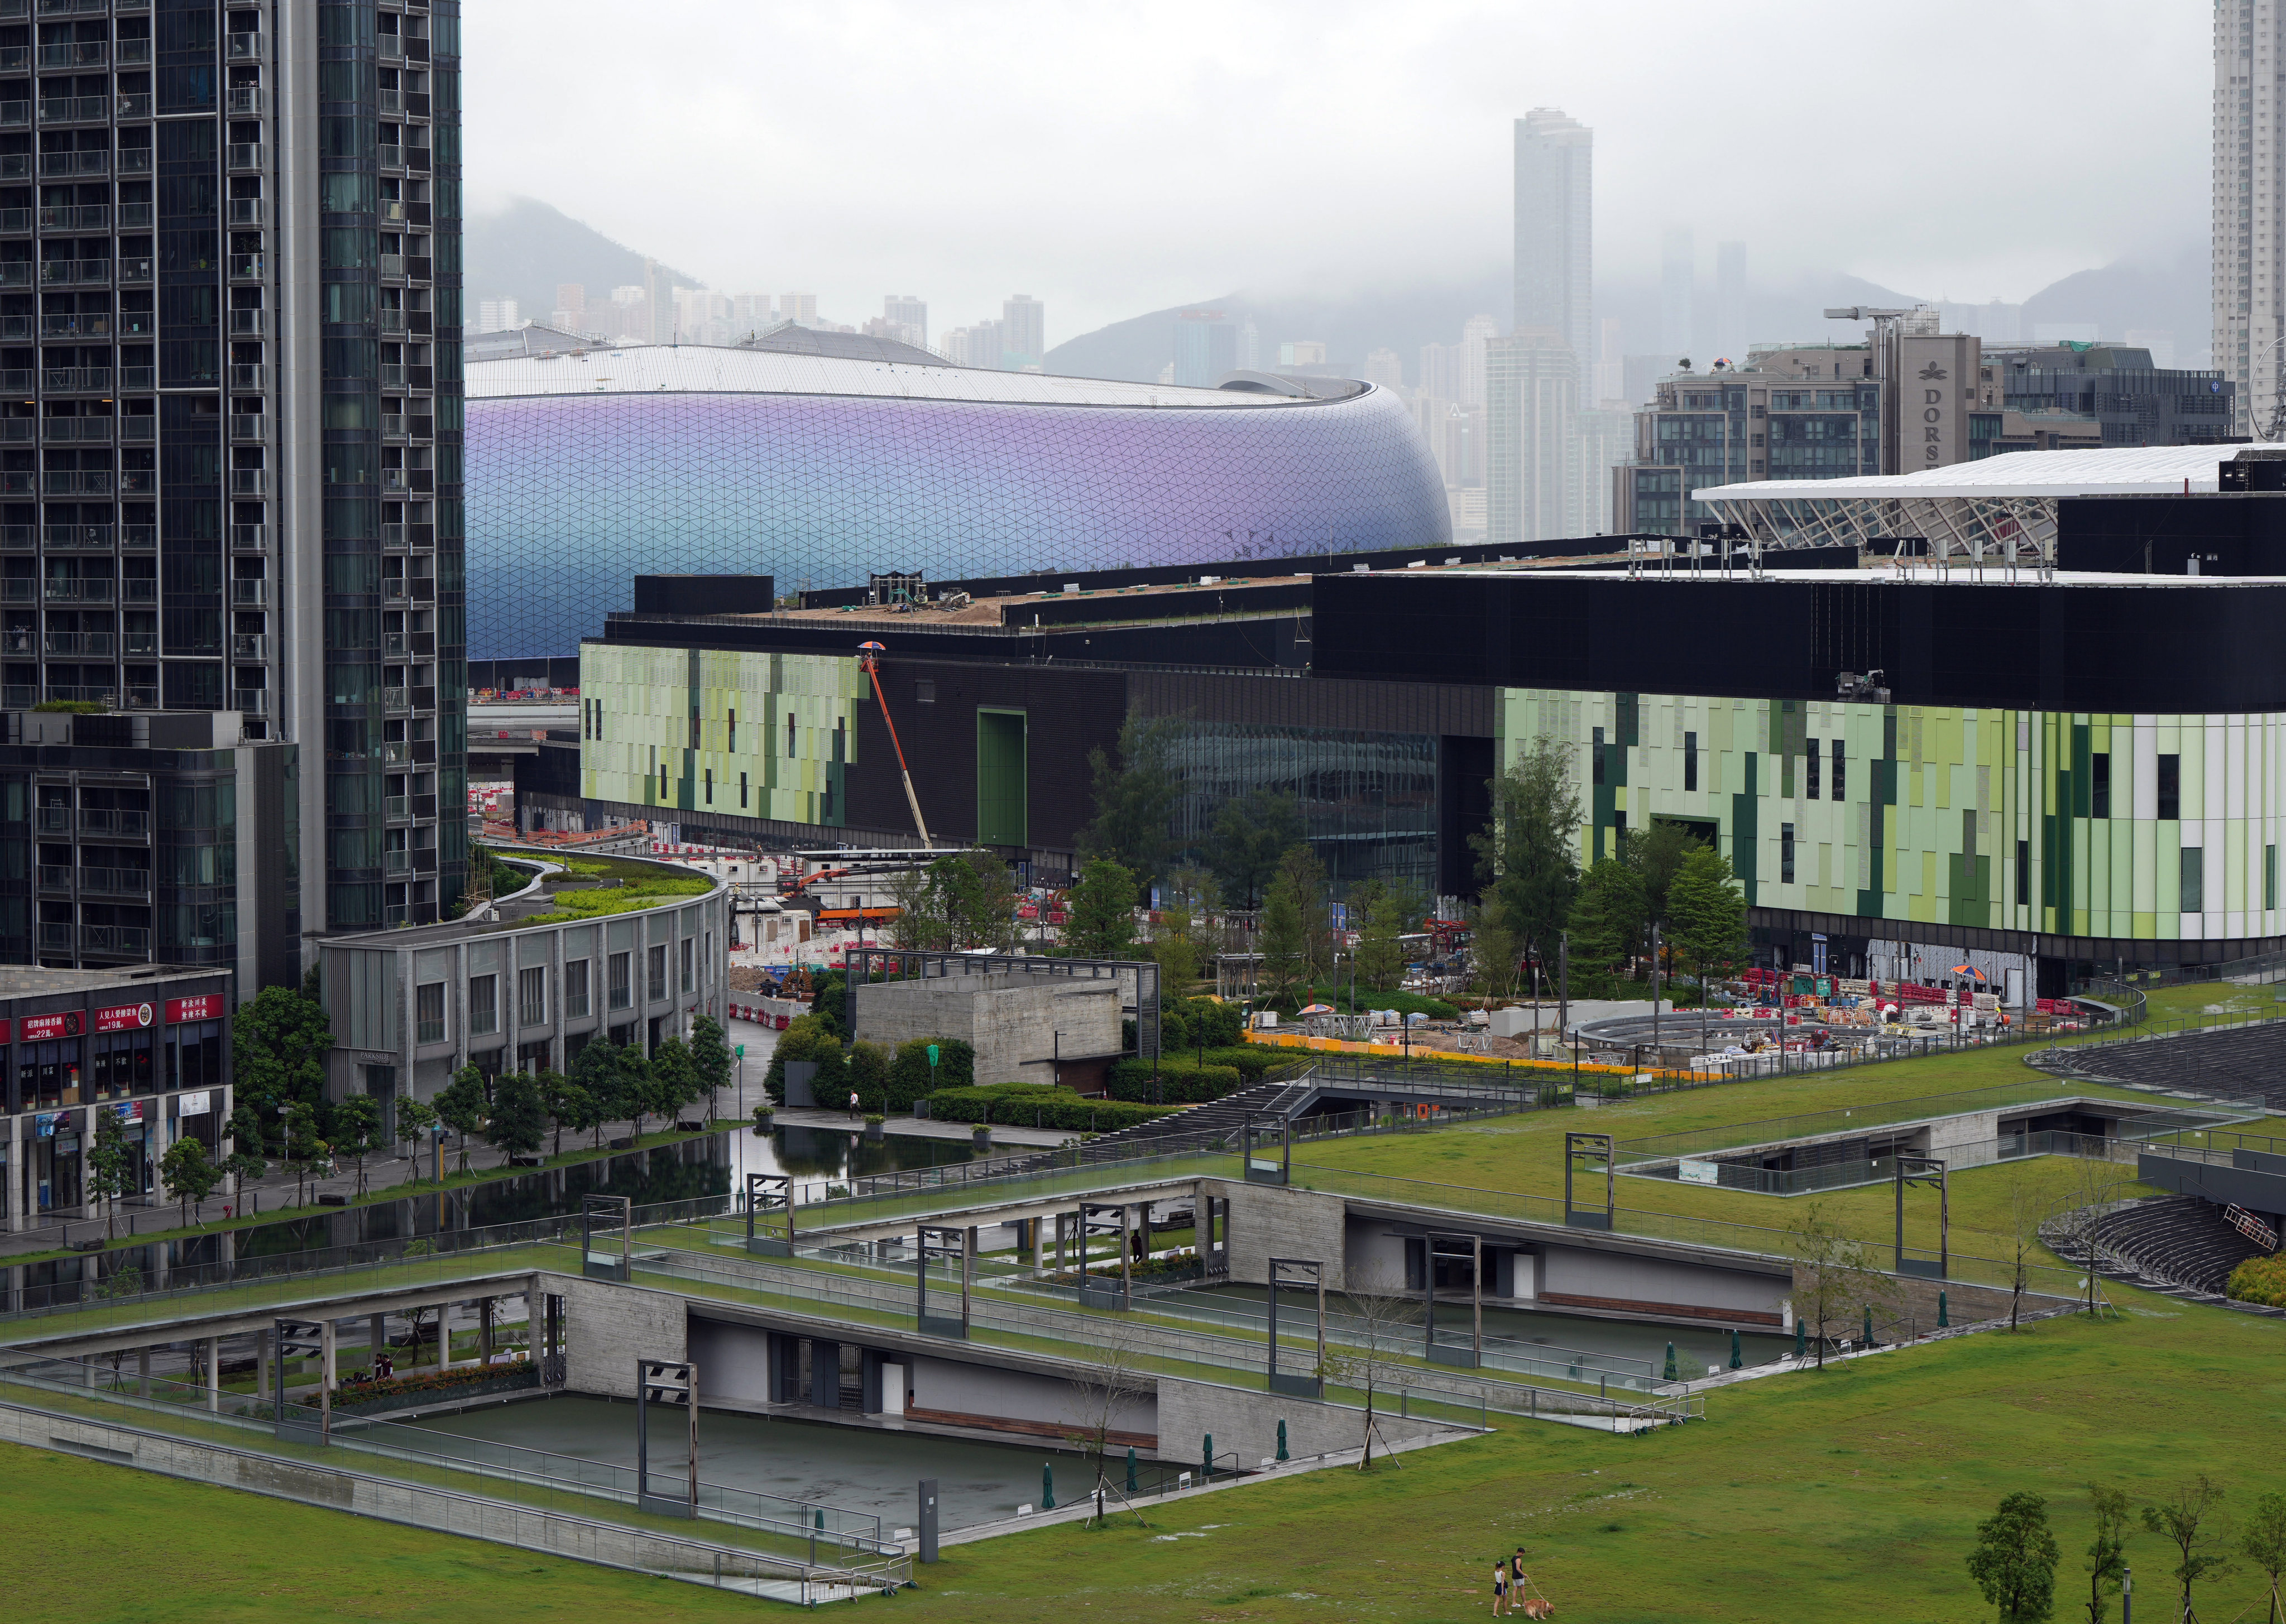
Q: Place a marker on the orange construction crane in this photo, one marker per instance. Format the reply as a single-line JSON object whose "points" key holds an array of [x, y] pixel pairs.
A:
{"points": [[868, 659]]}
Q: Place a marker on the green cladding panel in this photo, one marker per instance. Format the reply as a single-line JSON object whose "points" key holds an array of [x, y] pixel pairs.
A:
{"points": [[1000, 808]]}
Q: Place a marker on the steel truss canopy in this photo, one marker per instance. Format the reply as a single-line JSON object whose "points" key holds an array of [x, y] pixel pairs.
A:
{"points": [[1999, 508]]}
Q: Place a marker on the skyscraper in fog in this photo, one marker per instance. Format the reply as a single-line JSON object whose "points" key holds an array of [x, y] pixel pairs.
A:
{"points": [[1731, 334], [1023, 332], [1555, 210], [1531, 447], [1677, 281], [2250, 232], [907, 311]]}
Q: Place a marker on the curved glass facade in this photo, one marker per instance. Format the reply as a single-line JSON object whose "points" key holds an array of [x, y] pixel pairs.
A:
{"points": [[572, 496]]}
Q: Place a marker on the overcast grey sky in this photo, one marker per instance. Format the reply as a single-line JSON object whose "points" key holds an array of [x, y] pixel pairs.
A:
{"points": [[1115, 160]]}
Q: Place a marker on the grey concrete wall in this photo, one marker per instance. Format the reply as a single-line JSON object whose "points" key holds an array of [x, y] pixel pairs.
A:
{"points": [[1656, 1284], [733, 1361], [1017, 1024], [608, 1327], [1976, 1128], [1275, 1221], [1246, 1423], [1373, 1257], [1912, 1309], [963, 1389]]}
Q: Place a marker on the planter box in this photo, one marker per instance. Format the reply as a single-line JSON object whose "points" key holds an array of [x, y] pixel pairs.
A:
{"points": [[517, 1378]]}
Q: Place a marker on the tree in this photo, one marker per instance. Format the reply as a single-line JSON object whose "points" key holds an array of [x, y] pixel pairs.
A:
{"points": [[1380, 952], [995, 925], [1609, 915], [597, 1072], [1657, 855], [244, 1160], [1134, 799], [1248, 835], [920, 923], [278, 1049], [2015, 1562], [415, 1121], [460, 1106], [959, 888], [356, 1131], [711, 1058], [2263, 1543], [1834, 1277], [555, 1092], [2029, 1201], [1304, 877], [2106, 1557], [1384, 1326], [304, 1148], [673, 1079], [1284, 938], [110, 1164], [1495, 951], [518, 1123], [1113, 1382], [869, 1075], [1102, 921], [2185, 1518], [189, 1175], [1174, 945], [1526, 855], [1708, 912]]}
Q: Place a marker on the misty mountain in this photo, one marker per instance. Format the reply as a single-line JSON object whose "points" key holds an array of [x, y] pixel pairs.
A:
{"points": [[2126, 295], [2117, 298], [522, 251]]}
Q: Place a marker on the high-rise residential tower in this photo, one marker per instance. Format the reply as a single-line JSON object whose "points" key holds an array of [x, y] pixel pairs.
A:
{"points": [[1023, 332], [907, 311], [2249, 206], [230, 333], [1555, 198], [1531, 446]]}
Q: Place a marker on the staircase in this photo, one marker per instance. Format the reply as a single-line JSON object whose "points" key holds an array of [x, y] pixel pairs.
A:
{"points": [[2181, 1240]]}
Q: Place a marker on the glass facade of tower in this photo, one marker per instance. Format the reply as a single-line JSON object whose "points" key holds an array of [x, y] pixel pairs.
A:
{"points": [[230, 428], [389, 420]]}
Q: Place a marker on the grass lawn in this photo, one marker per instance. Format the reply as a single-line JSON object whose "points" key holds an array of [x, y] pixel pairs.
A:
{"points": [[227, 1555], [1525, 1154], [1850, 1495]]}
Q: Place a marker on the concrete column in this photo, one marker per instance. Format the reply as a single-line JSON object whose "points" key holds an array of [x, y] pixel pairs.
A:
{"points": [[14, 1193], [376, 1337], [212, 1350], [824, 1373], [262, 1364], [142, 1372], [329, 1347]]}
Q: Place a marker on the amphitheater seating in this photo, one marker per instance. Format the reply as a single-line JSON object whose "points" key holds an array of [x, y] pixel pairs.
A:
{"points": [[2243, 1062], [2178, 1238]]}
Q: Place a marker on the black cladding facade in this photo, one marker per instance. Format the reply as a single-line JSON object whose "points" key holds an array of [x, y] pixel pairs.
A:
{"points": [[2063, 645]]}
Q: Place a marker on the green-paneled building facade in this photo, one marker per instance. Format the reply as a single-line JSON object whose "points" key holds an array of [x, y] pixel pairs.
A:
{"points": [[727, 732], [2157, 827]]}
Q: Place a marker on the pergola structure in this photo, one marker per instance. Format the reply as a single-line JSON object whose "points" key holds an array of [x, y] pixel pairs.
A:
{"points": [[1999, 510]]}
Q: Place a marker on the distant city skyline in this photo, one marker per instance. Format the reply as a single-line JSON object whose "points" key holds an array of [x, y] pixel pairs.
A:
{"points": [[1171, 159]]}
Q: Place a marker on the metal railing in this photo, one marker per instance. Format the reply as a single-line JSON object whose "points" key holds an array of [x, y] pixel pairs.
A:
{"points": [[514, 1513]]}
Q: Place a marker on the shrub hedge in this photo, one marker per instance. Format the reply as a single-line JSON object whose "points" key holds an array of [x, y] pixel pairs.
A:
{"points": [[1030, 1105], [885, 1083], [2260, 1280], [1183, 1082]]}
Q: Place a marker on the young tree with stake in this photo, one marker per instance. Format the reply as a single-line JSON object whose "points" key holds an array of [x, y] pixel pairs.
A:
{"points": [[2106, 1557], [2187, 1518], [417, 1123], [356, 1131], [189, 1174], [462, 1105]]}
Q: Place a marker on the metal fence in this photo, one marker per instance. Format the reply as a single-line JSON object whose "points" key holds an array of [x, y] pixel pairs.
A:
{"points": [[540, 1510]]}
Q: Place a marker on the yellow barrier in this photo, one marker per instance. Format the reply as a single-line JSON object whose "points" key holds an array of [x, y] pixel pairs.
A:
{"points": [[1344, 1046]]}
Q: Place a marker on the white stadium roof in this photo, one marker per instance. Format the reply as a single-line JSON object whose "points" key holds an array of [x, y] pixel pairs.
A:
{"points": [[693, 369], [2125, 471]]}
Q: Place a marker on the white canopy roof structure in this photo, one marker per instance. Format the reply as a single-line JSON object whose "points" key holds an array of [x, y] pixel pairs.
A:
{"points": [[1998, 508]]}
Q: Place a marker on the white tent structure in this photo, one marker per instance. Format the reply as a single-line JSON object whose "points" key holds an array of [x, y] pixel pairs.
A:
{"points": [[1999, 509]]}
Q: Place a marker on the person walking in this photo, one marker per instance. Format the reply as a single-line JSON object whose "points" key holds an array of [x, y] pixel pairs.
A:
{"points": [[853, 1105], [1500, 1585]]}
